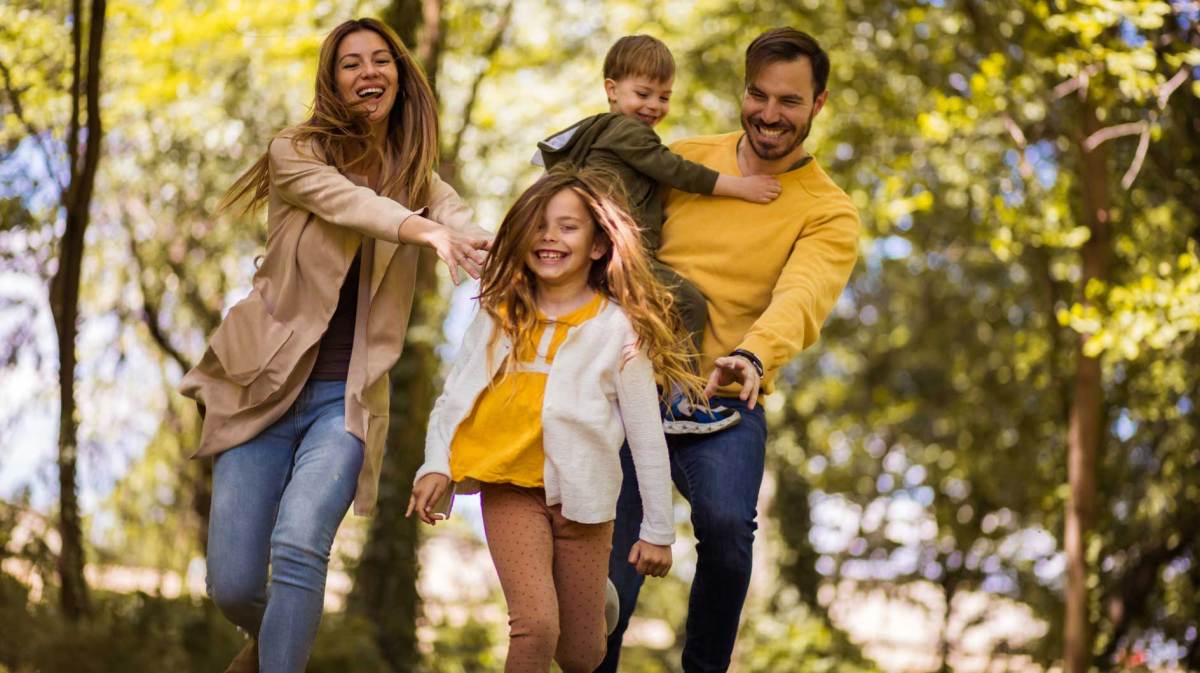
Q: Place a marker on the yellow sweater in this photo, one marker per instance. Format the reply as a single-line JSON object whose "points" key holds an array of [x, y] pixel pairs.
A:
{"points": [[771, 273]]}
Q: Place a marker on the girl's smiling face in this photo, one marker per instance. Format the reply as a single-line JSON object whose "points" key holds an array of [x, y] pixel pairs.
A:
{"points": [[566, 243], [366, 74]]}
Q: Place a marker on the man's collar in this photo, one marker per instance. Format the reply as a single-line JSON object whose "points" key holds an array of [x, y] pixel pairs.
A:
{"points": [[799, 163]]}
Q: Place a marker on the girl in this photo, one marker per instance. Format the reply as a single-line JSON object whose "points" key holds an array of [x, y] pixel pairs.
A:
{"points": [[556, 371], [294, 383]]}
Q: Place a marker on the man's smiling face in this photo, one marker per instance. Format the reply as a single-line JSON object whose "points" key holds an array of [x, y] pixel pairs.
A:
{"points": [[778, 107]]}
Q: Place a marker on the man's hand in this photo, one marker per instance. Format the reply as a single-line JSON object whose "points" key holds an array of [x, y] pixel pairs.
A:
{"points": [[733, 368], [428, 490], [650, 559]]}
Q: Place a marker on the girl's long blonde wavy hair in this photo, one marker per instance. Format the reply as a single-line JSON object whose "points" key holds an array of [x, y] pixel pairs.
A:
{"points": [[508, 286], [341, 135]]}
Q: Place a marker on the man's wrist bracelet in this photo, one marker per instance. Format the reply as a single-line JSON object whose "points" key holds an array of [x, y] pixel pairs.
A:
{"points": [[758, 365]]}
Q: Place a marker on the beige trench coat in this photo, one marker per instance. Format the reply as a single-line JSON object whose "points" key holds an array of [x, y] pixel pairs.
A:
{"points": [[260, 356]]}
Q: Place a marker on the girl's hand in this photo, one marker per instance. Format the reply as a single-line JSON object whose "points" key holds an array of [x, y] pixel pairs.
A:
{"points": [[427, 491], [759, 188], [650, 559]]}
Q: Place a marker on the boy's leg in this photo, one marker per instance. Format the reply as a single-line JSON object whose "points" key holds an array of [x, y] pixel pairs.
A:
{"points": [[516, 523], [720, 476], [581, 553], [626, 530], [690, 305], [324, 475]]}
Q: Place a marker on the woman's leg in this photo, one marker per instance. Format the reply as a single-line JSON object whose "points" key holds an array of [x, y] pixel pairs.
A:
{"points": [[321, 488], [580, 570], [517, 524], [248, 481]]}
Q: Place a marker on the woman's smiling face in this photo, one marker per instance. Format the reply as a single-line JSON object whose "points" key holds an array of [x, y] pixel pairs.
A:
{"points": [[366, 74]]}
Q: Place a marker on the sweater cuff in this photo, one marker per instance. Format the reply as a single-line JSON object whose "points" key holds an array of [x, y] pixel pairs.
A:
{"points": [[430, 468], [655, 535], [763, 349]]}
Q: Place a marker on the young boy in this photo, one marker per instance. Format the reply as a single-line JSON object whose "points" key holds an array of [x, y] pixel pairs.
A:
{"points": [[638, 74]]}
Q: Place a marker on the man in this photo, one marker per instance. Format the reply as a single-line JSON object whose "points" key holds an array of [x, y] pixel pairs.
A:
{"points": [[771, 274]]}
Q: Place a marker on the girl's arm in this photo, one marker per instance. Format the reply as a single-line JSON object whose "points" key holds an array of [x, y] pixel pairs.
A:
{"points": [[637, 397], [439, 433]]}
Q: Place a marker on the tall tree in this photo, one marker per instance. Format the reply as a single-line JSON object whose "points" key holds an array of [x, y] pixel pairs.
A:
{"points": [[83, 150]]}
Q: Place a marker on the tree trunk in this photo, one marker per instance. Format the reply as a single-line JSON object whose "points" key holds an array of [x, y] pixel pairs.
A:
{"points": [[64, 298], [1086, 407]]}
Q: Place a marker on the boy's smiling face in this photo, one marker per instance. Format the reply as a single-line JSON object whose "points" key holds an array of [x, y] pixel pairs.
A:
{"points": [[640, 97]]}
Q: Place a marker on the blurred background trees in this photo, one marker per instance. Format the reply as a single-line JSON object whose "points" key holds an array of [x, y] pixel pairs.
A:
{"points": [[997, 435]]}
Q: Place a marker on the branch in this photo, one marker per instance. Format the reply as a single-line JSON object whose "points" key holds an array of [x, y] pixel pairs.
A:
{"points": [[1169, 87], [151, 311], [1138, 158], [469, 108], [18, 110], [1078, 82], [1108, 133]]}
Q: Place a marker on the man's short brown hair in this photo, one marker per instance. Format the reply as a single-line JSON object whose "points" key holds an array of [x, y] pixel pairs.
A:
{"points": [[639, 55], [787, 44]]}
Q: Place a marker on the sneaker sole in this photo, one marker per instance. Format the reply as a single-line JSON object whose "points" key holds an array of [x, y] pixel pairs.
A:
{"points": [[694, 428]]}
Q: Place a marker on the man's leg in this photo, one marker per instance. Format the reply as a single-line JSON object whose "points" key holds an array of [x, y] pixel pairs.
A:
{"points": [[624, 576], [720, 475]]}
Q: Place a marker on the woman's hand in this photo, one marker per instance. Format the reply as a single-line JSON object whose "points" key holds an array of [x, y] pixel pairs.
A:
{"points": [[457, 249], [428, 490], [460, 251], [650, 559]]}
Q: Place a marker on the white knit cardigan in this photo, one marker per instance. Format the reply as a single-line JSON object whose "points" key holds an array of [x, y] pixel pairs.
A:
{"points": [[600, 392]]}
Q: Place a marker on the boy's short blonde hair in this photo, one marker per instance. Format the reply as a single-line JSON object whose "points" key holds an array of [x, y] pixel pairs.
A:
{"points": [[639, 55]]}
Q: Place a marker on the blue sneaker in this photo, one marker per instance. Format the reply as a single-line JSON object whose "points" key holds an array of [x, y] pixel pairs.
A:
{"points": [[681, 418]]}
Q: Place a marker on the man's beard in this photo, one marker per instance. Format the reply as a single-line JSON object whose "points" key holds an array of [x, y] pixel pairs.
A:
{"points": [[773, 154]]}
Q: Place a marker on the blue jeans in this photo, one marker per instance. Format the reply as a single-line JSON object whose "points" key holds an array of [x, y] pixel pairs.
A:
{"points": [[277, 501], [720, 475]]}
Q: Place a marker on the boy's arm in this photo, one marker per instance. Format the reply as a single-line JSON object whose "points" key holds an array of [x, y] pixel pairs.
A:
{"points": [[637, 398], [639, 146]]}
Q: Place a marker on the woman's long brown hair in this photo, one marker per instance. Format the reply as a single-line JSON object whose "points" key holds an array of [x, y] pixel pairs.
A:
{"points": [[508, 286], [340, 134]]}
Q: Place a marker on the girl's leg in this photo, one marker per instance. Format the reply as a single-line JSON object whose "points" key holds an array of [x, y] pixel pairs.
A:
{"points": [[517, 524], [580, 569], [248, 481], [324, 476]]}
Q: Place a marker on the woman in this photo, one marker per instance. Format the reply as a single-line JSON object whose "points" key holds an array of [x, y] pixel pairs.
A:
{"points": [[294, 384]]}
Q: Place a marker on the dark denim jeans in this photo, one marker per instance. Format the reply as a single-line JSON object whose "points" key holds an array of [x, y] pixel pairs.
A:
{"points": [[720, 476], [277, 502]]}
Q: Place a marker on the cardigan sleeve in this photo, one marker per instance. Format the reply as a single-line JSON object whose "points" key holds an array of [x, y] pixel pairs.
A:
{"points": [[309, 183], [637, 397], [439, 435]]}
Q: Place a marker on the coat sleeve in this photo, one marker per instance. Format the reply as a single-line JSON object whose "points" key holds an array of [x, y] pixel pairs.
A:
{"points": [[637, 397], [439, 433], [447, 207], [307, 182]]}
